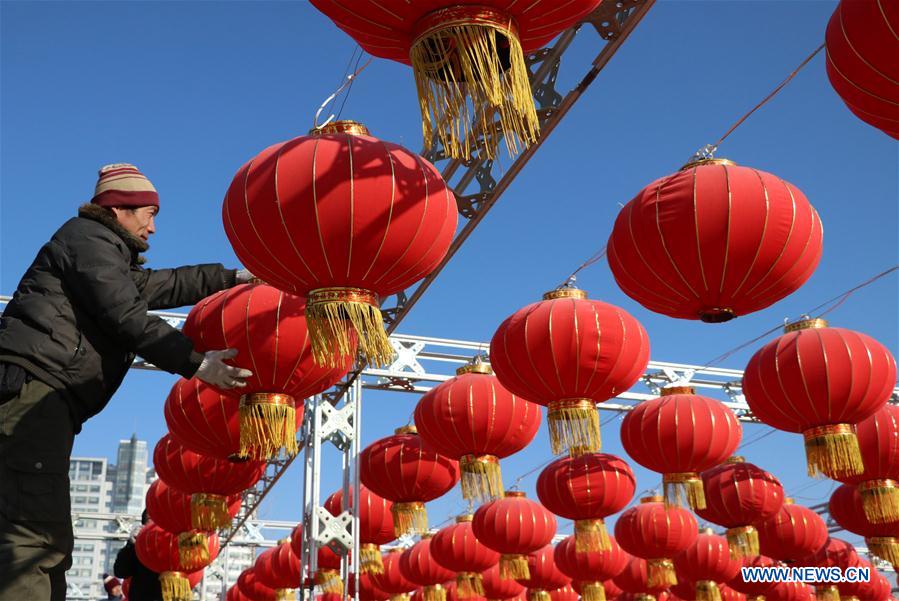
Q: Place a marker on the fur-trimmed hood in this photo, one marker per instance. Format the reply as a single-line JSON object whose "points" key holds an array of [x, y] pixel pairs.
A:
{"points": [[106, 217]]}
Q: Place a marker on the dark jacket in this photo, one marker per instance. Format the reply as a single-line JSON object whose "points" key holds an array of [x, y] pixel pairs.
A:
{"points": [[79, 315], [144, 582]]}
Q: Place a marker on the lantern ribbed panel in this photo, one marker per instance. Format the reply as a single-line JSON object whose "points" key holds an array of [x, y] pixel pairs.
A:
{"points": [[391, 580], [530, 525], [457, 549], [708, 558], [251, 587], [587, 487], [417, 565], [544, 574], [158, 549], [191, 472], [375, 519], [835, 553], [496, 587], [565, 593], [202, 419], [790, 591], [847, 509], [634, 578], [652, 531], [753, 589], [792, 533], [170, 508], [590, 565]]}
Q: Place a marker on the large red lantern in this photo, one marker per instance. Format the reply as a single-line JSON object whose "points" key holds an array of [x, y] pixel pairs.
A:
{"points": [[209, 480], [836, 553], [327, 576], [707, 562], [375, 525], [634, 579], [544, 576], [569, 353], [457, 549], [515, 527], [790, 591], [252, 587], [821, 381], [390, 579], [590, 568], [714, 241], [204, 420], [367, 590], [497, 588], [792, 533], [474, 419], [565, 593], [586, 489], [345, 220], [754, 587], [656, 533], [882, 539], [159, 550], [877, 588], [400, 468], [269, 573], [468, 61], [861, 39], [739, 495], [270, 331], [878, 440], [681, 434], [175, 511], [418, 565]]}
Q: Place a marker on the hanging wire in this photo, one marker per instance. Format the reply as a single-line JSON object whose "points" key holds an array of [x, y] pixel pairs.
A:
{"points": [[749, 443], [349, 90], [594, 258], [347, 83]]}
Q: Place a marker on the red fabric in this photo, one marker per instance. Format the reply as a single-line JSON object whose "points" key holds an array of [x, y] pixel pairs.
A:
{"points": [[633, 578], [792, 533], [268, 328], [126, 198], [714, 237], [496, 587], [790, 591], [590, 565], [878, 441], [234, 594], [653, 531], [327, 559], [392, 581], [473, 414], [566, 593], [847, 510], [753, 589], [170, 508], [250, 586], [708, 558], [202, 419], [740, 494], [281, 569], [612, 589], [191, 472], [418, 566], [680, 433], [532, 525], [157, 549], [683, 590], [375, 518], [860, 39], [836, 553], [586, 487], [367, 590], [818, 376], [457, 549], [544, 573], [568, 349], [339, 210], [729, 594], [387, 28], [401, 469], [878, 588]]}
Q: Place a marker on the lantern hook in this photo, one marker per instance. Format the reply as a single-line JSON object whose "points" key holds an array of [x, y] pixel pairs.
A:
{"points": [[349, 80], [705, 153]]}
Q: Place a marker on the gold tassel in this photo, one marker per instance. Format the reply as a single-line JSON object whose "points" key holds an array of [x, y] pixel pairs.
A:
{"points": [[538, 594], [370, 559], [827, 592], [209, 512], [880, 499], [514, 567], [435, 592], [743, 542], [267, 424], [193, 550], [573, 427], [409, 518], [707, 590], [482, 479], [329, 581], [462, 73], [682, 489], [591, 535], [593, 591], [660, 573], [644, 597], [469, 585], [833, 450], [884, 547], [285, 594], [342, 320], [400, 597], [175, 587]]}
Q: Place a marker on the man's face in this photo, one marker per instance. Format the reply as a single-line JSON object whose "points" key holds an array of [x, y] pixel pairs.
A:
{"points": [[140, 221], [117, 591]]}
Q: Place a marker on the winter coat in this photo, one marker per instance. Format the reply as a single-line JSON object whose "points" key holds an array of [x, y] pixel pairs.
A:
{"points": [[144, 581], [79, 315]]}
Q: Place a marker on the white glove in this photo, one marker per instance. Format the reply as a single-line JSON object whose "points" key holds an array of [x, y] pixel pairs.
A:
{"points": [[243, 276], [214, 371]]}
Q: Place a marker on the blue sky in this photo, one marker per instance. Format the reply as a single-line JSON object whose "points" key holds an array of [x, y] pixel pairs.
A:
{"points": [[188, 91]]}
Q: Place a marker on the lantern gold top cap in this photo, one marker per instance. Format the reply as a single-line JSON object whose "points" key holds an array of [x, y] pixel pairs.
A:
{"points": [[345, 126], [706, 530], [475, 368], [711, 161], [735, 459], [465, 517], [283, 541], [805, 324], [565, 292], [651, 499], [789, 501], [670, 390], [514, 493], [410, 429]]}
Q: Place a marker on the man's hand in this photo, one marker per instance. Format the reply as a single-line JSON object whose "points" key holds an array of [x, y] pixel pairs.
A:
{"points": [[244, 276], [214, 371]]}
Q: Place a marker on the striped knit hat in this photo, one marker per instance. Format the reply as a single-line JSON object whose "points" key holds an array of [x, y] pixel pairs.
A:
{"points": [[123, 185]]}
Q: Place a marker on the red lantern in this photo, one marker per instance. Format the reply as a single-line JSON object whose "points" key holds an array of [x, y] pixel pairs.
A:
{"points": [[569, 353], [418, 566], [401, 469], [474, 419], [792, 533], [590, 568], [457, 549], [835, 553], [267, 573], [497, 588], [468, 61], [544, 576], [587, 489], [820, 381], [367, 589], [375, 525], [287, 568], [861, 37], [878, 439], [877, 588], [204, 420], [565, 593], [714, 241], [846, 508], [706, 562], [161, 552], [322, 242], [514, 526], [452, 593], [791, 591], [210, 481], [327, 577], [270, 331], [681, 434], [250, 586], [174, 511], [634, 579], [754, 588], [656, 533], [390, 579], [738, 495]]}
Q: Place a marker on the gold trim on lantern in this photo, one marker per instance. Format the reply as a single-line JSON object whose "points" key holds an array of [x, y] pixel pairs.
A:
{"points": [[743, 542], [409, 518], [193, 550], [514, 494], [465, 517], [409, 429], [566, 292], [329, 581], [644, 597], [707, 590], [469, 585], [651, 499], [789, 501], [833, 450], [660, 573], [475, 368], [268, 423], [573, 426], [591, 535], [482, 478], [593, 591], [709, 161], [884, 547], [880, 500], [209, 511], [683, 488], [400, 597], [175, 586], [805, 324], [434, 592], [342, 319], [827, 592], [734, 459], [344, 126], [670, 390], [538, 594], [514, 566], [370, 561], [285, 594]]}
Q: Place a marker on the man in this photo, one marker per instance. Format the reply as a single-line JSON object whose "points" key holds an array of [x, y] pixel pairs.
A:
{"points": [[145, 585], [67, 339], [113, 588]]}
